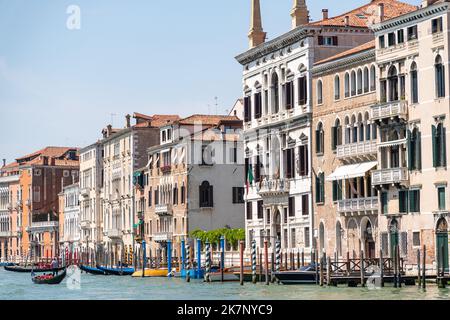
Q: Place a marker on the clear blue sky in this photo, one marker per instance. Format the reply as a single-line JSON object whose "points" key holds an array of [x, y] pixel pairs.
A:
{"points": [[59, 87]]}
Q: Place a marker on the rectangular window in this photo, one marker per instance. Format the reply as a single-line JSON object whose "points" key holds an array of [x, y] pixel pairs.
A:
{"points": [[381, 42], [391, 39], [238, 195], [404, 243], [414, 201], [249, 210], [328, 41], [293, 239], [403, 201], [289, 162], [150, 198], [337, 190], [258, 105], [383, 91], [183, 194], [268, 216], [400, 36], [320, 188], [291, 206], [307, 235], [302, 91], [412, 33], [303, 157], [416, 239], [305, 205], [289, 95], [385, 243], [441, 198], [402, 87], [260, 209], [247, 109], [436, 25], [384, 202]]}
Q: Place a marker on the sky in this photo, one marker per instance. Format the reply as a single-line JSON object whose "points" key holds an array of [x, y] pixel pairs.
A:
{"points": [[60, 86]]}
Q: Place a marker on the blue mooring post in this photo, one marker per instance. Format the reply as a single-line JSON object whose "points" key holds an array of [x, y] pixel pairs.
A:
{"points": [[183, 254], [199, 258], [169, 258], [222, 252], [144, 257]]}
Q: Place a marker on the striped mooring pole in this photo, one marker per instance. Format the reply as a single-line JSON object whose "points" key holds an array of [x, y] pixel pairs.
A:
{"points": [[254, 261], [207, 261], [277, 258], [187, 263]]}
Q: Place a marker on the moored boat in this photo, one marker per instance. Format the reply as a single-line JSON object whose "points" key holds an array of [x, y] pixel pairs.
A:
{"points": [[151, 273], [119, 271], [305, 275], [49, 279], [30, 268], [92, 270], [7, 264]]}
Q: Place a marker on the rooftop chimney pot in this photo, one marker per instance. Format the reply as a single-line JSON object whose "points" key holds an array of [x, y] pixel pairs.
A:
{"points": [[4, 162], [325, 14], [128, 120], [347, 21], [381, 11]]}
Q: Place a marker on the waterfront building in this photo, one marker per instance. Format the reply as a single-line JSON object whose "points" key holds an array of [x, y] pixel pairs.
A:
{"points": [[10, 212], [42, 176], [344, 153], [124, 151], [69, 219], [91, 184], [277, 86], [413, 120], [193, 180]]}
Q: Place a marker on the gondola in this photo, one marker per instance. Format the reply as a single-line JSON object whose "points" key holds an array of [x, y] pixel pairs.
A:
{"points": [[92, 270], [7, 264], [117, 271], [40, 279], [29, 269]]}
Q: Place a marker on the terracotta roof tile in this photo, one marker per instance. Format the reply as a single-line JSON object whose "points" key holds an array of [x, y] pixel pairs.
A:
{"points": [[365, 15], [50, 152], [364, 47], [212, 120]]}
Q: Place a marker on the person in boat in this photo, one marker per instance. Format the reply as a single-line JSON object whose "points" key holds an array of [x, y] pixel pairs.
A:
{"points": [[54, 265]]}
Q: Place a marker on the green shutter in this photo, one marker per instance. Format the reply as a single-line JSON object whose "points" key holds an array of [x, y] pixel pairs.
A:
{"points": [[340, 190], [410, 149], [435, 151], [317, 141], [322, 187], [333, 138], [419, 150], [412, 201], [444, 147], [403, 201], [317, 190], [334, 190]]}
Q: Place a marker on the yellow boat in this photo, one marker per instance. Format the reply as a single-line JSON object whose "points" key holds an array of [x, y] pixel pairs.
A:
{"points": [[151, 273]]}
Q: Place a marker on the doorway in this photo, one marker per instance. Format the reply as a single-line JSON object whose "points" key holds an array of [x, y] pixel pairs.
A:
{"points": [[442, 242]]}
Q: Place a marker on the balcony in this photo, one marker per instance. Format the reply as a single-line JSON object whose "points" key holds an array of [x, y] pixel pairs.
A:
{"points": [[163, 209], [390, 110], [85, 224], [140, 215], [162, 236], [5, 234], [358, 205], [390, 176], [43, 226], [114, 233], [359, 149], [166, 169], [273, 187]]}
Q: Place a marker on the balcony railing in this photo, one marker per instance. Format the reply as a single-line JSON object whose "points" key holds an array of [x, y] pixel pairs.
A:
{"points": [[356, 149], [358, 205], [5, 234], [163, 209], [85, 192], [85, 224], [390, 176], [273, 187], [43, 226], [162, 236], [390, 110], [114, 233]]}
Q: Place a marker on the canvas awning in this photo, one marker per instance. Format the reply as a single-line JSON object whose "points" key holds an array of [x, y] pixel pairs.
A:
{"points": [[352, 171]]}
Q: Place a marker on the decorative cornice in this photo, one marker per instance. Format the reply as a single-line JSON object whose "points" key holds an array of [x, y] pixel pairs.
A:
{"points": [[409, 17], [344, 62]]}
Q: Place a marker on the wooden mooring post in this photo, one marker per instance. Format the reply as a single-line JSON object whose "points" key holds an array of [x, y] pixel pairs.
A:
{"points": [[361, 267], [329, 271], [241, 267], [419, 279], [381, 269], [424, 285], [322, 264], [441, 269]]}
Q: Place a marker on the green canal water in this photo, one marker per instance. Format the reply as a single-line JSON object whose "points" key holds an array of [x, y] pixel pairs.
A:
{"points": [[16, 286]]}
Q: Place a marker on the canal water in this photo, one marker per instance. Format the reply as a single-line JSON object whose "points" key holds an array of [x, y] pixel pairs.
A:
{"points": [[17, 286]]}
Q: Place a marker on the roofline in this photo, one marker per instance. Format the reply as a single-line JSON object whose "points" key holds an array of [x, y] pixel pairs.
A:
{"points": [[91, 146], [343, 62]]}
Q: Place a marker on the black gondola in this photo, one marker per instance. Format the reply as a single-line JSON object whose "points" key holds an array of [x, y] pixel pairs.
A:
{"points": [[29, 269], [92, 270], [52, 280]]}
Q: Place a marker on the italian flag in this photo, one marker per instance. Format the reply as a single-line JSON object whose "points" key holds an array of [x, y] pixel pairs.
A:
{"points": [[250, 178]]}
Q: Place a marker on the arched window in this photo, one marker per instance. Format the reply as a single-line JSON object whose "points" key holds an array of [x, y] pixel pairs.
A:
{"points": [[337, 88], [372, 78], [366, 80], [336, 134], [320, 139], [360, 82], [361, 128], [393, 84], [320, 188], [368, 126], [347, 85], [321, 237], [353, 83], [175, 195], [414, 84], [439, 146], [319, 92], [440, 77], [354, 127], [275, 93], [348, 131], [206, 195]]}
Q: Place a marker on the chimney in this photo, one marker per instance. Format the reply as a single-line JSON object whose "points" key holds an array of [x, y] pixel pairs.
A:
{"points": [[128, 120], [4, 162], [381, 11], [347, 21], [108, 130], [324, 14], [299, 14], [256, 34], [426, 3]]}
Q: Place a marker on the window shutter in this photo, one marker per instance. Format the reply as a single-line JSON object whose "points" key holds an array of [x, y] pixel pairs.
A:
{"points": [[334, 190], [335, 41], [333, 138], [404, 244], [211, 196], [317, 141], [444, 147], [322, 187], [317, 190], [433, 138], [410, 149], [340, 190], [419, 150], [320, 38]]}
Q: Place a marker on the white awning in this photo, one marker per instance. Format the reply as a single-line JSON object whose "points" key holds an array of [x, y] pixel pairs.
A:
{"points": [[352, 171]]}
